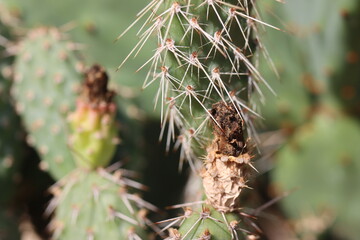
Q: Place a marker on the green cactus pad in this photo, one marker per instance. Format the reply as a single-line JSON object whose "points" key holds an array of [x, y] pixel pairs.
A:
{"points": [[93, 29], [311, 60], [207, 223], [321, 163], [95, 205], [202, 57], [45, 86]]}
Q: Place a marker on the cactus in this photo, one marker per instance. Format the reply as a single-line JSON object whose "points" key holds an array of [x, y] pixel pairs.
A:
{"points": [[89, 26], [330, 169], [105, 209], [208, 69], [202, 59], [85, 138], [44, 94], [226, 171], [320, 54], [96, 205], [208, 223], [74, 145], [317, 160], [345, 85]]}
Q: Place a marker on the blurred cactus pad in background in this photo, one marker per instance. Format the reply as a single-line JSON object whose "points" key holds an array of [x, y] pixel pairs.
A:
{"points": [[180, 120]]}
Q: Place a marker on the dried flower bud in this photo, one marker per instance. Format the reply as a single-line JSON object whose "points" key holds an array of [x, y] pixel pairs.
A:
{"points": [[226, 168]]}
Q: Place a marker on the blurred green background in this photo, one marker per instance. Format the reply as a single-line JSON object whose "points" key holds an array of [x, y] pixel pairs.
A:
{"points": [[310, 131]]}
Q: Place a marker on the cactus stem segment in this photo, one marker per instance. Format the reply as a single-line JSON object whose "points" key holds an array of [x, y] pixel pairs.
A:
{"points": [[97, 204], [203, 56], [207, 223]]}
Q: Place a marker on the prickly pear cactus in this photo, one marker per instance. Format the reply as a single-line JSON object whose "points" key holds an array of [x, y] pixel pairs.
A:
{"points": [[45, 86], [227, 169], [93, 29], [93, 202], [96, 205], [329, 174], [203, 56], [204, 73], [345, 85], [323, 56], [207, 223], [319, 161]]}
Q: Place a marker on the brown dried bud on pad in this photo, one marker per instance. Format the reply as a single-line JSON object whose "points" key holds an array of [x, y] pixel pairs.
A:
{"points": [[227, 165], [228, 129], [95, 89]]}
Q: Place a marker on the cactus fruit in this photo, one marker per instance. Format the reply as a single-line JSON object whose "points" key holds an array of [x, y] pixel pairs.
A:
{"points": [[96, 205], [47, 75], [94, 132]]}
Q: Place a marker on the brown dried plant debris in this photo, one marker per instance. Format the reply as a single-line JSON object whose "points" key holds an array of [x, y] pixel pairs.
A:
{"points": [[227, 166], [230, 137], [95, 88]]}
